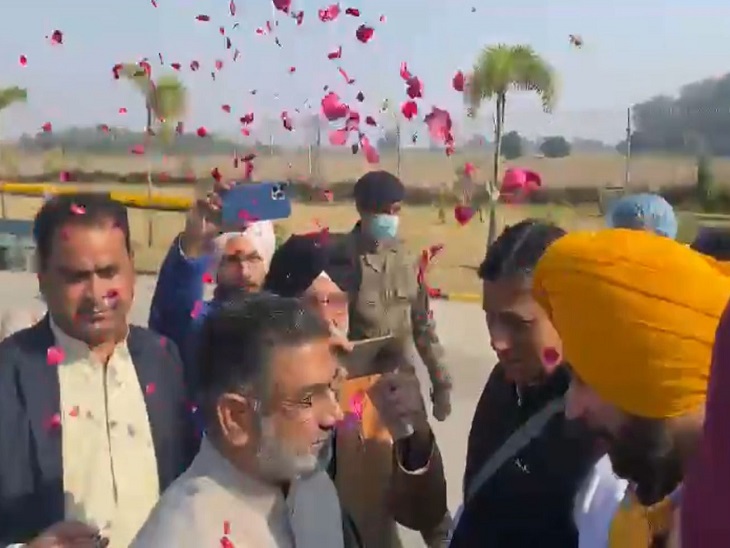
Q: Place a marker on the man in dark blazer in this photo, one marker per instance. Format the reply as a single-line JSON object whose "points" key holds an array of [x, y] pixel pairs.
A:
{"points": [[94, 420]]}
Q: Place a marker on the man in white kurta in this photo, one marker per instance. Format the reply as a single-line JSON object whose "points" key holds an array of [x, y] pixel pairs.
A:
{"points": [[109, 465]]}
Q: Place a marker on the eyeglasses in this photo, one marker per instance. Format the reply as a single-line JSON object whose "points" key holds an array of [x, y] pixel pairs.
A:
{"points": [[318, 400]]}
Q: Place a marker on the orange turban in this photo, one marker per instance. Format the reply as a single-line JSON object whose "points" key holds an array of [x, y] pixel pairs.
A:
{"points": [[637, 314]]}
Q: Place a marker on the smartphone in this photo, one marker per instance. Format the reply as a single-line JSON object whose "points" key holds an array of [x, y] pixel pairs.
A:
{"points": [[361, 360], [246, 203]]}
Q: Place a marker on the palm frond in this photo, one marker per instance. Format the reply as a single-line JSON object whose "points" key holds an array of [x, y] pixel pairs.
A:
{"points": [[169, 99], [11, 95]]}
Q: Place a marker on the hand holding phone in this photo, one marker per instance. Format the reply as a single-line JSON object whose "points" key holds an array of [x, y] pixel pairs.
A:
{"points": [[361, 359], [397, 397], [246, 203]]}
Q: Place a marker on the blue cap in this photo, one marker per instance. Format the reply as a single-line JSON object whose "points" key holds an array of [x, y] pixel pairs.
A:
{"points": [[643, 212]]}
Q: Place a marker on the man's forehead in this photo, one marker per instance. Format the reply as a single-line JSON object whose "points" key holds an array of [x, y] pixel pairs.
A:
{"points": [[308, 364], [509, 294], [239, 245]]}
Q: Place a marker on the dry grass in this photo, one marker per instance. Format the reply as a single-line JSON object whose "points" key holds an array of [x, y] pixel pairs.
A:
{"points": [[452, 271], [418, 167]]}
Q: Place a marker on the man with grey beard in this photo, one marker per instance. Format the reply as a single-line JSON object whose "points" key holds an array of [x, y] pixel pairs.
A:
{"points": [[268, 382]]}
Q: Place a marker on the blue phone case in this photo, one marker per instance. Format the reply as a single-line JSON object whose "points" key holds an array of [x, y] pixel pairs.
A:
{"points": [[246, 203]]}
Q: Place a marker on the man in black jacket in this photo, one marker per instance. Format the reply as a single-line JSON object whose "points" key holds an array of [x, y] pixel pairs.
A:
{"points": [[528, 500], [94, 421]]}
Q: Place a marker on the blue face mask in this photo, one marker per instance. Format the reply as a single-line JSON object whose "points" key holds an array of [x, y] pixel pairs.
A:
{"points": [[383, 226]]}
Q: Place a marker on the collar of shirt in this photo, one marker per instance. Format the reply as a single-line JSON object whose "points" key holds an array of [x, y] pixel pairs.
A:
{"points": [[74, 348]]}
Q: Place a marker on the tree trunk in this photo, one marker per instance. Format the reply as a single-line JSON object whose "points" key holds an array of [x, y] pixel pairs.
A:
{"points": [[494, 184], [150, 218]]}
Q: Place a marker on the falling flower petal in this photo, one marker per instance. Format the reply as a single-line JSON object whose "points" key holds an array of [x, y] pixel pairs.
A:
{"points": [[74, 411], [226, 108], [369, 120], [150, 389], [137, 149], [329, 13], [176, 66], [122, 110], [54, 355], [360, 96], [282, 5], [202, 17], [346, 76], [57, 37], [463, 214], [338, 137], [53, 422], [47, 127], [371, 153], [286, 121], [439, 125], [404, 72], [332, 108], [458, 81], [232, 8], [207, 278], [415, 87], [218, 64], [23, 60], [216, 174], [292, 70], [409, 109], [336, 54], [201, 131], [354, 12], [194, 65], [364, 33]]}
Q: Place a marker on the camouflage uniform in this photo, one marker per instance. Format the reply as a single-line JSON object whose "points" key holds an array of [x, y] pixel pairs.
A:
{"points": [[386, 300]]}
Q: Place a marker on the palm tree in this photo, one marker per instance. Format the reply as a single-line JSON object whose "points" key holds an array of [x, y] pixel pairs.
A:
{"points": [[500, 69], [165, 105], [9, 96]]}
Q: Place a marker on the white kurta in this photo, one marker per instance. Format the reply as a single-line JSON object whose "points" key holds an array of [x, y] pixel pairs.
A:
{"points": [[110, 475], [596, 503], [213, 500]]}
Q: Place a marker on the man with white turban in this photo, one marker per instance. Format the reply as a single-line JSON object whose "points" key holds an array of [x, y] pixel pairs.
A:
{"points": [[235, 261]]}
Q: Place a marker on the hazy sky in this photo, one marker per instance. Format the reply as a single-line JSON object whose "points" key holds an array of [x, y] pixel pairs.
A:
{"points": [[633, 50]]}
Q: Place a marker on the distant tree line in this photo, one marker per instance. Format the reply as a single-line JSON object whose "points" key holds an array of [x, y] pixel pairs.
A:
{"points": [[697, 121], [119, 141]]}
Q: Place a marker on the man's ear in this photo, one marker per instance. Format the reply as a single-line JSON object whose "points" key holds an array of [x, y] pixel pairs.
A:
{"points": [[235, 415]]}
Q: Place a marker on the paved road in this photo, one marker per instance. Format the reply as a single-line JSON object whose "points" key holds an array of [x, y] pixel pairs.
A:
{"points": [[460, 326]]}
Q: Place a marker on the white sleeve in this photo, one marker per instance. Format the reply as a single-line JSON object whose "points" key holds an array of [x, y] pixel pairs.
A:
{"points": [[596, 503]]}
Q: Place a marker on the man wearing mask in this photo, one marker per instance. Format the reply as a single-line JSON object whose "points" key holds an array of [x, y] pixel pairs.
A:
{"points": [[386, 298], [268, 397], [640, 366], [236, 261], [94, 420]]}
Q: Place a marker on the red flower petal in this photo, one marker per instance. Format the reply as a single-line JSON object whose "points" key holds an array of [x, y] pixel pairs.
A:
{"points": [[23, 60], [54, 355], [150, 389], [53, 422], [47, 127], [345, 76], [137, 149], [226, 108], [338, 137], [360, 96], [404, 72], [409, 109], [329, 13], [336, 54], [354, 12], [282, 5], [78, 209], [74, 412], [176, 66], [415, 88], [203, 17], [194, 65], [439, 125], [232, 8], [216, 174], [218, 64], [201, 131], [286, 121], [463, 214], [371, 153], [369, 120], [57, 37], [364, 33], [292, 70], [226, 527], [207, 278], [458, 81], [333, 108]]}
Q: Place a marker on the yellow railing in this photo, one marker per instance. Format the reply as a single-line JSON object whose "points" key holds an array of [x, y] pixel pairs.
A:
{"points": [[137, 200]]}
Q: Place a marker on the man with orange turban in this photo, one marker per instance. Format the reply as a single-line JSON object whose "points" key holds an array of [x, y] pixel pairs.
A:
{"points": [[637, 315]]}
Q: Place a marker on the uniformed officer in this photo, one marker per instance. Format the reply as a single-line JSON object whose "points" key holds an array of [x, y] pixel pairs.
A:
{"points": [[387, 300]]}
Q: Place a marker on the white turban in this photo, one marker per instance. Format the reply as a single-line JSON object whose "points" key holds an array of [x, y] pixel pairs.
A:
{"points": [[260, 234]]}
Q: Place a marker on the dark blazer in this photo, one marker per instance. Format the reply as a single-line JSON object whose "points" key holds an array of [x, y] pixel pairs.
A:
{"points": [[31, 467]]}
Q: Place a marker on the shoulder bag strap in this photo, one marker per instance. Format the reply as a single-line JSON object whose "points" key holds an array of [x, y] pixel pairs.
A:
{"points": [[519, 439]]}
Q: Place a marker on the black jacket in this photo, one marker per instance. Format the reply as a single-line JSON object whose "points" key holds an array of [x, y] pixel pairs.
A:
{"points": [[31, 463], [528, 502]]}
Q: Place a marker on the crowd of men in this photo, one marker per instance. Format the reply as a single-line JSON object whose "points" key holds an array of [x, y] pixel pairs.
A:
{"points": [[232, 422]]}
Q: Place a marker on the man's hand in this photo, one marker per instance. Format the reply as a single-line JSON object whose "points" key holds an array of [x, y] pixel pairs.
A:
{"points": [[339, 341], [201, 224], [397, 397], [69, 534], [441, 399]]}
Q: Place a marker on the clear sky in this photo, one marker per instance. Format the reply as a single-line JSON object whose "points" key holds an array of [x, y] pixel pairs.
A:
{"points": [[633, 49]]}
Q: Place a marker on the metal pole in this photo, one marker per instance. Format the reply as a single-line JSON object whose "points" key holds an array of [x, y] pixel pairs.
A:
{"points": [[627, 174]]}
